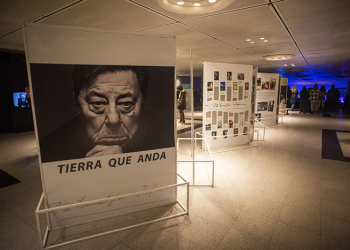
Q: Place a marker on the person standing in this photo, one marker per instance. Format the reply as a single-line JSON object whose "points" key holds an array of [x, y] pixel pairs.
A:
{"points": [[294, 97], [181, 103], [304, 95], [314, 99], [321, 96], [333, 98]]}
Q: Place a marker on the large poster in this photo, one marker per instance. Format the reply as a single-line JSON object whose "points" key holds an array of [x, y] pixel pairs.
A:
{"points": [[226, 104], [266, 98], [103, 129]]}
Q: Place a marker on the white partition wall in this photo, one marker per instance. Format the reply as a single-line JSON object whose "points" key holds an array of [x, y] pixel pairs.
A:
{"points": [[266, 98], [100, 128], [226, 104]]}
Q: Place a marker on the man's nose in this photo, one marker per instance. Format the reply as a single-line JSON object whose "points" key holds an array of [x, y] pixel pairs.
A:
{"points": [[113, 116]]}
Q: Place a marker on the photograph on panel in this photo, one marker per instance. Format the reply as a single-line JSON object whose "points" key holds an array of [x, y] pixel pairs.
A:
{"points": [[240, 76], [213, 135], [262, 106], [95, 110], [229, 75], [273, 84], [271, 106], [222, 86], [258, 84], [265, 85], [216, 75]]}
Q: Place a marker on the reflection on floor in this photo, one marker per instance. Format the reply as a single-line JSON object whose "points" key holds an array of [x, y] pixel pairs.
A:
{"points": [[280, 195]]}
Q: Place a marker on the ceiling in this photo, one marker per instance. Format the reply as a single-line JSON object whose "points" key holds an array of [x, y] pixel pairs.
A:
{"points": [[317, 32]]}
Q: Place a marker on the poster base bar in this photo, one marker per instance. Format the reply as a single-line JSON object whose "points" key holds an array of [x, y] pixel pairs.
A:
{"points": [[44, 239]]}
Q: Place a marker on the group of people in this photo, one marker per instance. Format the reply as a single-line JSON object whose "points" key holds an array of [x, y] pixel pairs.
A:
{"points": [[316, 97]]}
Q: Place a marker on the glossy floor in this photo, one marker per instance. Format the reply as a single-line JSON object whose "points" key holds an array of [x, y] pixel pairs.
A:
{"points": [[280, 195]]}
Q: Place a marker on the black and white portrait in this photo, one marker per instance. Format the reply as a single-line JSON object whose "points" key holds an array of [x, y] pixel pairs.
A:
{"points": [[95, 110]]}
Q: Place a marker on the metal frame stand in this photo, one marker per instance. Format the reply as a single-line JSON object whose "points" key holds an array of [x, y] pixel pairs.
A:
{"points": [[43, 239], [233, 148], [207, 161]]}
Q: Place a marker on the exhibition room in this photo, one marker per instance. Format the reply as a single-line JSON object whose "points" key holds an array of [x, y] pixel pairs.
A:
{"points": [[168, 124]]}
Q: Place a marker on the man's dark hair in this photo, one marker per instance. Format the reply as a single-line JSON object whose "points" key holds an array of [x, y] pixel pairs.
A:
{"points": [[332, 86], [86, 74]]}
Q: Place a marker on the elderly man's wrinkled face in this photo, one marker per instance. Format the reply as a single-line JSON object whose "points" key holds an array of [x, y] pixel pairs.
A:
{"points": [[110, 108]]}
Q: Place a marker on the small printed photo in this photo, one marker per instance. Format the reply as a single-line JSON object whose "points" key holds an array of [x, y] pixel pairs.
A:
{"points": [[229, 76], [258, 116], [230, 123], [219, 123], [273, 84], [235, 86], [262, 106], [222, 86], [209, 86], [208, 127], [213, 135], [240, 76], [246, 86], [235, 132], [225, 132], [245, 130], [258, 84], [216, 75], [265, 85], [270, 106]]}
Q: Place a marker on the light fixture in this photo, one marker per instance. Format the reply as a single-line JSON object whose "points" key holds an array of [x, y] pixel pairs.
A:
{"points": [[248, 40], [266, 41], [285, 65], [262, 38], [251, 42], [292, 64], [194, 7], [278, 57]]}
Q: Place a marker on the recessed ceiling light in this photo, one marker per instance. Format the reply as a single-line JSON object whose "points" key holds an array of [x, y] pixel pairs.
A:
{"points": [[285, 65], [248, 40], [196, 4], [251, 42], [180, 3], [278, 57], [292, 64], [266, 41], [211, 1], [262, 38]]}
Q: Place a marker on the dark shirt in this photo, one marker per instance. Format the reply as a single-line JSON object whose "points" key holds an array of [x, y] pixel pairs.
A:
{"points": [[304, 94], [70, 141], [333, 94]]}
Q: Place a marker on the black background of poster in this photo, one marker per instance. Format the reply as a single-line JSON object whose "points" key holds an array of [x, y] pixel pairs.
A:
{"points": [[54, 102]]}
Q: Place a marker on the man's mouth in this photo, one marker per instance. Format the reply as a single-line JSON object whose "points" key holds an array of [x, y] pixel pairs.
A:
{"points": [[113, 140]]}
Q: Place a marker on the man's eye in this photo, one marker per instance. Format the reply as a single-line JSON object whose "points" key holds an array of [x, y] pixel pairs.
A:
{"points": [[126, 106], [98, 105]]}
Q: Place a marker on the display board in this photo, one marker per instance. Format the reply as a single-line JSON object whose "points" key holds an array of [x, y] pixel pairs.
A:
{"points": [[226, 104], [266, 98], [100, 129]]}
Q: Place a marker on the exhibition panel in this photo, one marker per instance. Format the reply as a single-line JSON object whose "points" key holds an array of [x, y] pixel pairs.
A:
{"points": [[267, 98], [99, 129], [227, 104]]}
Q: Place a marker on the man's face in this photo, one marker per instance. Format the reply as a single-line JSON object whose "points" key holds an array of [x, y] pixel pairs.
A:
{"points": [[110, 108]]}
